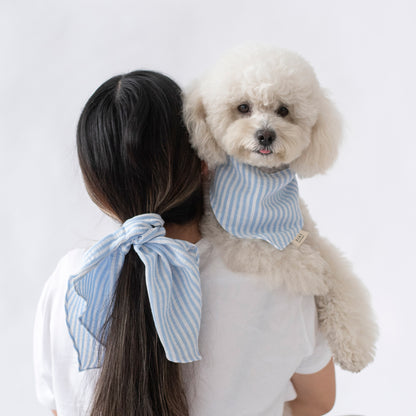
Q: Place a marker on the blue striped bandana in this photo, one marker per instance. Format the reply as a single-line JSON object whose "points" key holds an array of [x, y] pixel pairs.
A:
{"points": [[251, 203], [172, 281]]}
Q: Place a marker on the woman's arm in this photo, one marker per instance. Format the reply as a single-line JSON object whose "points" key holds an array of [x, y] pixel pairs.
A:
{"points": [[54, 412], [315, 392]]}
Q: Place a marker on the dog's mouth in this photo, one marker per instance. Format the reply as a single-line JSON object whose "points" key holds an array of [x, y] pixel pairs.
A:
{"points": [[265, 151]]}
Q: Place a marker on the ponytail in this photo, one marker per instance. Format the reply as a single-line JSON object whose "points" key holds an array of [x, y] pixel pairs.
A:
{"points": [[136, 378]]}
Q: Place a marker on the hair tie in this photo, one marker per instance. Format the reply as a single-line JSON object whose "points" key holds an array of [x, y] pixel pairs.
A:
{"points": [[172, 281]]}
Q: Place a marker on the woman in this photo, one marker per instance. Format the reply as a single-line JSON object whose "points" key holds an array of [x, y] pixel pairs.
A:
{"points": [[116, 325]]}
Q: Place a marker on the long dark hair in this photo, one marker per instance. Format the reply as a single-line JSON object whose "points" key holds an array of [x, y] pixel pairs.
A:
{"points": [[135, 157]]}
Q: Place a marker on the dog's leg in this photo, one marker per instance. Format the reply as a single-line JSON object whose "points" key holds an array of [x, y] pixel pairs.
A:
{"points": [[345, 314], [303, 270]]}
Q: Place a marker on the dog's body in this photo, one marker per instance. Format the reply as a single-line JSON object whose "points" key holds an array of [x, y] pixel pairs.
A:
{"points": [[265, 108]]}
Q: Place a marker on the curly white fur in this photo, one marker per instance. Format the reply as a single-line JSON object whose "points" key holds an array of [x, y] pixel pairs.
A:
{"points": [[307, 137]]}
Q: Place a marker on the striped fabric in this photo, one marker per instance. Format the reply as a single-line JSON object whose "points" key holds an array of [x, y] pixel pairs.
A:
{"points": [[173, 286], [250, 203]]}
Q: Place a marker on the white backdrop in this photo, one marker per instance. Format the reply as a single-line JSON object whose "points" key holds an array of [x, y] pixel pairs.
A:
{"points": [[53, 54]]}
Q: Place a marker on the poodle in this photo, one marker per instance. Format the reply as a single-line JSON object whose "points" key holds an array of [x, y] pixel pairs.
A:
{"points": [[263, 107]]}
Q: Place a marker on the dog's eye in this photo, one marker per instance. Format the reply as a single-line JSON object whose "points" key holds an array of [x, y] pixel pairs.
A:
{"points": [[283, 111], [243, 108]]}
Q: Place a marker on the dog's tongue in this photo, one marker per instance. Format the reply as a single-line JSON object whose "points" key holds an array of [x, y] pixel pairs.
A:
{"points": [[265, 151]]}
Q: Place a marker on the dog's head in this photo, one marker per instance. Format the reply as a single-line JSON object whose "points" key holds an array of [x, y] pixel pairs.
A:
{"points": [[265, 107]]}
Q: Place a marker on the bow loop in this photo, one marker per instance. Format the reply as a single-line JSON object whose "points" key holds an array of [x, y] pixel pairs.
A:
{"points": [[172, 281]]}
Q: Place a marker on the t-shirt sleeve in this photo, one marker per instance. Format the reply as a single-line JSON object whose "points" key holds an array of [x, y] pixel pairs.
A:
{"points": [[42, 349], [319, 357]]}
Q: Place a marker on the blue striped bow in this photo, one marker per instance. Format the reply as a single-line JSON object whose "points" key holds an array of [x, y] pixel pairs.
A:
{"points": [[172, 281], [251, 203]]}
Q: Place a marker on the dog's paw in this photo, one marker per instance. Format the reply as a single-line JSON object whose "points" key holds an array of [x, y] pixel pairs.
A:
{"points": [[352, 352], [352, 358], [351, 335]]}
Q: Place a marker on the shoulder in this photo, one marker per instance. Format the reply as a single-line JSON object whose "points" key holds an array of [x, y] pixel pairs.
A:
{"points": [[56, 285], [71, 261], [67, 265]]}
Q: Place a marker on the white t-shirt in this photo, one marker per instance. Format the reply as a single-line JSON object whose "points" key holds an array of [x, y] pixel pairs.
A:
{"points": [[252, 340]]}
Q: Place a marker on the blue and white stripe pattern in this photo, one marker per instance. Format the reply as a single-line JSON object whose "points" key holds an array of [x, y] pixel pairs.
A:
{"points": [[250, 203], [172, 281]]}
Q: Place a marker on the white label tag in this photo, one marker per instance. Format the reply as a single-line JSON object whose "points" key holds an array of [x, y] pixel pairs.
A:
{"points": [[300, 238]]}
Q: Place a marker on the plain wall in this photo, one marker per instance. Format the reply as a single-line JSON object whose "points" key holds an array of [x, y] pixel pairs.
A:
{"points": [[54, 54]]}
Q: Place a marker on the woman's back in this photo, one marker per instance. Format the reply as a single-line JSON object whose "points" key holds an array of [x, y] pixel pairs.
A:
{"points": [[246, 341]]}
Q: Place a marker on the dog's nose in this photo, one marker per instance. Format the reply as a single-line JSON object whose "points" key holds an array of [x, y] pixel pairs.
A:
{"points": [[266, 136]]}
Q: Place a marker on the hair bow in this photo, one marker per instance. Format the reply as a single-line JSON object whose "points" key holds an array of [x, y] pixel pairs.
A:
{"points": [[172, 281]]}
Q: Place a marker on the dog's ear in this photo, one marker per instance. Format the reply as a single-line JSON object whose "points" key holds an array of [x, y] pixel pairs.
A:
{"points": [[202, 139], [325, 140]]}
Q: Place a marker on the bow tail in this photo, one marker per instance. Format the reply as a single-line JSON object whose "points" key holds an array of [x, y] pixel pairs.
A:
{"points": [[175, 303], [88, 305]]}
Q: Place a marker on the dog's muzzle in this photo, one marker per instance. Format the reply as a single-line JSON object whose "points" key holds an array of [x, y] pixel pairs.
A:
{"points": [[265, 137]]}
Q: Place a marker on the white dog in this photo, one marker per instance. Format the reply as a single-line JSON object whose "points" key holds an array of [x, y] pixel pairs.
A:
{"points": [[264, 107]]}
